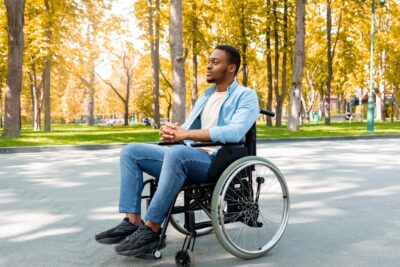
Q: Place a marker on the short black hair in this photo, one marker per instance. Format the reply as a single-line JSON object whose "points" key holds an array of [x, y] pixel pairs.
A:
{"points": [[233, 55]]}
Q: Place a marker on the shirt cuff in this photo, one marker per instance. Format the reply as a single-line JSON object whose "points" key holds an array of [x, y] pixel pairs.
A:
{"points": [[216, 134]]}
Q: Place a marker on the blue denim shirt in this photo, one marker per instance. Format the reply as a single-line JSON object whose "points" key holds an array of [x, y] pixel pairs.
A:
{"points": [[238, 113]]}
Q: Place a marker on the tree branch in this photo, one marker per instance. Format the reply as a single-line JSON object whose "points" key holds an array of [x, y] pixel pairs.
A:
{"points": [[113, 88], [337, 35], [166, 80]]}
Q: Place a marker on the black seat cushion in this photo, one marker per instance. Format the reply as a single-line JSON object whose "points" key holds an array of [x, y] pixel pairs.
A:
{"points": [[224, 157]]}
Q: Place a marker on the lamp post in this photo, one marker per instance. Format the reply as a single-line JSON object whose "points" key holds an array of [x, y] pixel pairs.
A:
{"points": [[370, 112]]}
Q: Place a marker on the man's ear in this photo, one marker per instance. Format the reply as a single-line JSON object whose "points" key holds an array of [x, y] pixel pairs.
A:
{"points": [[232, 68]]}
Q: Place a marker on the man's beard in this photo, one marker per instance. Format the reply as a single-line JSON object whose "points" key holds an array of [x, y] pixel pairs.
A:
{"points": [[214, 80], [211, 80]]}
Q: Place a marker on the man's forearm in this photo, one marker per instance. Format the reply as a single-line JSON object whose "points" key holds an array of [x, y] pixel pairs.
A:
{"points": [[198, 135]]}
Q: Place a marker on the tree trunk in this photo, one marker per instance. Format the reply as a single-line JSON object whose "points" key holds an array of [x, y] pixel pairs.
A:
{"points": [[128, 74], [278, 111], [397, 104], [177, 62], [126, 113], [36, 94], [155, 58], [1, 100], [392, 108], [322, 105], [194, 52], [379, 99], [281, 97], [311, 97], [269, 63], [378, 106], [297, 73], [361, 105], [330, 70], [90, 109], [245, 70], [91, 32], [15, 24], [47, 72], [46, 95]]}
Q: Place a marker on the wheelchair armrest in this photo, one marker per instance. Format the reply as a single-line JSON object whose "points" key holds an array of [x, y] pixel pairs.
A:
{"points": [[170, 143], [200, 144]]}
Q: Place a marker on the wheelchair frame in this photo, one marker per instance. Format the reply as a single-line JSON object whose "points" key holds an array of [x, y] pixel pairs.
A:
{"points": [[210, 197]]}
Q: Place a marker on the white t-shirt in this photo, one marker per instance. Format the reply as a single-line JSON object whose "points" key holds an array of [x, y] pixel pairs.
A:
{"points": [[209, 115]]}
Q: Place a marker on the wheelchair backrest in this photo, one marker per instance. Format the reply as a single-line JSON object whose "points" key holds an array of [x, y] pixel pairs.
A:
{"points": [[250, 141]]}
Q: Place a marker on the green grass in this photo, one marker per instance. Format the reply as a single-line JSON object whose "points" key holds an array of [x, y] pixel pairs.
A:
{"points": [[335, 129], [80, 134]]}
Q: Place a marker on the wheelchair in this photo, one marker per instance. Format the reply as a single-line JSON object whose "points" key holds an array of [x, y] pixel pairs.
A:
{"points": [[246, 205]]}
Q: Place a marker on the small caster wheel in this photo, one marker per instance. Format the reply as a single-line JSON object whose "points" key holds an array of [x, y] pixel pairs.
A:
{"points": [[157, 255], [184, 258]]}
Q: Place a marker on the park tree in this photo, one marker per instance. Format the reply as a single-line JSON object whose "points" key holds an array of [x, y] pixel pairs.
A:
{"points": [[315, 59], [151, 19], [124, 69], [384, 20], [37, 61], [177, 62], [198, 17], [297, 71], [237, 24], [268, 49], [47, 29], [330, 51], [392, 43], [195, 51], [3, 57], [90, 41], [15, 24], [142, 98], [280, 91], [154, 32], [166, 86]]}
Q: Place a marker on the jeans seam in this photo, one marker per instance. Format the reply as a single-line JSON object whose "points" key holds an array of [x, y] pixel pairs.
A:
{"points": [[131, 156]]}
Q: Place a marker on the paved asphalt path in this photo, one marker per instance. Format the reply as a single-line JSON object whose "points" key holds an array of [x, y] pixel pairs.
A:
{"points": [[345, 208]]}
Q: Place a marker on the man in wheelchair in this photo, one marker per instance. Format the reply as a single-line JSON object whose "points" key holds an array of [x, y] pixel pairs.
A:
{"points": [[224, 113]]}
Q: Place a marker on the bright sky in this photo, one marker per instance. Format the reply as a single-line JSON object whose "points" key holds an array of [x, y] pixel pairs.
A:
{"points": [[125, 9]]}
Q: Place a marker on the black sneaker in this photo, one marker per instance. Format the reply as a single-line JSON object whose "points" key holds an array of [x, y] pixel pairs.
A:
{"points": [[117, 234], [139, 243]]}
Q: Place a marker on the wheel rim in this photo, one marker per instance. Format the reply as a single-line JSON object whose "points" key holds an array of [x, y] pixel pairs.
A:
{"points": [[240, 215]]}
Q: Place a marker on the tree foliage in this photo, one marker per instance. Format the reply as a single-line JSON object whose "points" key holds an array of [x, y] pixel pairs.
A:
{"points": [[67, 42]]}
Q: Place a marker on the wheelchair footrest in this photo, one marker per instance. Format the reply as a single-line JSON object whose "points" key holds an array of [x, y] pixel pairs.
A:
{"points": [[154, 252]]}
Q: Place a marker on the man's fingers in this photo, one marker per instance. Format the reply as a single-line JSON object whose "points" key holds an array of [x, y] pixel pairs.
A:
{"points": [[171, 125], [167, 136]]}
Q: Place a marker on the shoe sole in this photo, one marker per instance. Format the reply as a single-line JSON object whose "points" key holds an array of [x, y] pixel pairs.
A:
{"points": [[110, 240], [142, 251]]}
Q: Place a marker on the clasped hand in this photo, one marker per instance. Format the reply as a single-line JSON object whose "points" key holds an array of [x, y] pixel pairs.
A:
{"points": [[172, 132]]}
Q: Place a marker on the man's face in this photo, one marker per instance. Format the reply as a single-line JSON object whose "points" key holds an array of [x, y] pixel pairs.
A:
{"points": [[219, 69]]}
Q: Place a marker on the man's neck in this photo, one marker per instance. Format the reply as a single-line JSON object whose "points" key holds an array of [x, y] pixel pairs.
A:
{"points": [[223, 86]]}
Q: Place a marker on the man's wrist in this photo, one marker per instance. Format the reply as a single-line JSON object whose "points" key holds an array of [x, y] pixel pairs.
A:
{"points": [[186, 135]]}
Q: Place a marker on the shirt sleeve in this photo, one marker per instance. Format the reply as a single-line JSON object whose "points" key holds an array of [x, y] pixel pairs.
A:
{"points": [[244, 117]]}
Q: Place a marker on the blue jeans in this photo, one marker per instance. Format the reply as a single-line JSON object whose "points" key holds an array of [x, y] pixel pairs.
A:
{"points": [[172, 166]]}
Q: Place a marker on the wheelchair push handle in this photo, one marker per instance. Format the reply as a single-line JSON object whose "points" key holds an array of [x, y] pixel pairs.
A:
{"points": [[267, 112]]}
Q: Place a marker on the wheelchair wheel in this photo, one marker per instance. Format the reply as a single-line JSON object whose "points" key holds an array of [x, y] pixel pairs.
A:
{"points": [[184, 258], [250, 207], [178, 220]]}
